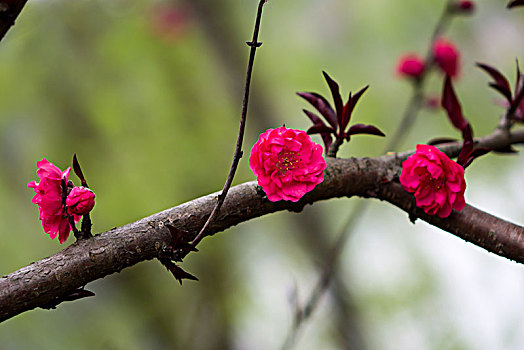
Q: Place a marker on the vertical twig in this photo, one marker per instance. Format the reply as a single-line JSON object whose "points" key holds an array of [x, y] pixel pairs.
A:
{"points": [[253, 44]]}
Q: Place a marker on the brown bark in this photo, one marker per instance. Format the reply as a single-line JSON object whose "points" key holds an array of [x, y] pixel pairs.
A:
{"points": [[9, 11]]}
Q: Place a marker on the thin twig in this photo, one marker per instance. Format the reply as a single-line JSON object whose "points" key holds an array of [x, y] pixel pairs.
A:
{"points": [[253, 44]]}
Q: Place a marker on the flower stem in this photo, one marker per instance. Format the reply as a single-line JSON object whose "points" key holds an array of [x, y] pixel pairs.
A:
{"points": [[86, 226]]}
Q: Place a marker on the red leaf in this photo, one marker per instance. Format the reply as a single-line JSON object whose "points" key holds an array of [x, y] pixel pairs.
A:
{"points": [[321, 105], [475, 154], [350, 106], [519, 76], [518, 102], [363, 129], [335, 92], [320, 129], [346, 114], [313, 117], [452, 106], [500, 82], [515, 3], [78, 171], [325, 133], [328, 140], [467, 146]]}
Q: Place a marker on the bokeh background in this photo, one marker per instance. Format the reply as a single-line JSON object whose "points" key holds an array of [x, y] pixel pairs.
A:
{"points": [[148, 94]]}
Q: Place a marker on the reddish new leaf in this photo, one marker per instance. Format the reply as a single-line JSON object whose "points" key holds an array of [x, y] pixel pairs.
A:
{"points": [[335, 92], [346, 114], [320, 129], [518, 102], [452, 106], [500, 83], [475, 154], [78, 171], [515, 3], [363, 129], [350, 106], [315, 119], [321, 105], [519, 76], [467, 145], [324, 131]]}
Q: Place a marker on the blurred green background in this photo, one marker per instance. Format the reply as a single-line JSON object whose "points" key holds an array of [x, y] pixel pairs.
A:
{"points": [[148, 94]]}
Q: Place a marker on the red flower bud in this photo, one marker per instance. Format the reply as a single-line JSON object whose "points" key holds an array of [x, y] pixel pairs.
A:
{"points": [[463, 7], [410, 65], [467, 5], [446, 55], [80, 201]]}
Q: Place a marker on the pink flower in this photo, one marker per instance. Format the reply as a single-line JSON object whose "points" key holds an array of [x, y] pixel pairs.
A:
{"points": [[80, 201], [410, 65], [437, 181], [446, 55], [50, 200], [287, 164]]}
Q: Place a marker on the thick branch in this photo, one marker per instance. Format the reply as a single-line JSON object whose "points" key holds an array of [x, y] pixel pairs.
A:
{"points": [[42, 282], [9, 11], [471, 224]]}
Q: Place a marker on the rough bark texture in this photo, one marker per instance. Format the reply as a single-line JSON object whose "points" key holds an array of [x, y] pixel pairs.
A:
{"points": [[42, 282]]}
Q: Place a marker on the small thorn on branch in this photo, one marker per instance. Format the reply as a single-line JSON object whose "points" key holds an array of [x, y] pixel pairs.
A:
{"points": [[177, 271], [73, 295], [178, 248], [412, 218], [254, 44]]}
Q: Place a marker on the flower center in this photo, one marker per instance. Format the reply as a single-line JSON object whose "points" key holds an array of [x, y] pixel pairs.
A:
{"points": [[436, 184], [287, 160]]}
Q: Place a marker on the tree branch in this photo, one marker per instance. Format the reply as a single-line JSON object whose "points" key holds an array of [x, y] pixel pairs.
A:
{"points": [[9, 11], [42, 282]]}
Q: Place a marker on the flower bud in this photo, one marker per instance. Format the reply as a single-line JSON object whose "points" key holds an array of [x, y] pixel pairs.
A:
{"points": [[410, 65], [464, 6], [80, 201], [446, 55]]}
